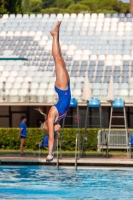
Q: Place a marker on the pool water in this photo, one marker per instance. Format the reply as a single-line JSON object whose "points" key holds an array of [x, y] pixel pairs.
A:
{"points": [[40, 182]]}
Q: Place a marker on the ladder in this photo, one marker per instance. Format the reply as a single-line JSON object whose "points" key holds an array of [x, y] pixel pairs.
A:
{"points": [[118, 103]]}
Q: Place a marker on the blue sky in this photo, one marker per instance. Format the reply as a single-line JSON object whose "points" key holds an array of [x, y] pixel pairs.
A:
{"points": [[125, 1]]}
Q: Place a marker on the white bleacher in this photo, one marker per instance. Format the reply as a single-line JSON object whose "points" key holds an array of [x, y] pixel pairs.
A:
{"points": [[95, 43]]}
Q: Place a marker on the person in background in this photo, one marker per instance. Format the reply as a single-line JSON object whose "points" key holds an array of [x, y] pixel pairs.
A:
{"points": [[22, 134]]}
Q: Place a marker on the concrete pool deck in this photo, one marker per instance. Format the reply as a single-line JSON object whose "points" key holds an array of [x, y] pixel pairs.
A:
{"points": [[66, 161]]}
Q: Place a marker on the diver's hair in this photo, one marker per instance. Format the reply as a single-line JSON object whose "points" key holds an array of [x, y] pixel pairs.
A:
{"points": [[44, 127], [42, 113], [45, 116]]}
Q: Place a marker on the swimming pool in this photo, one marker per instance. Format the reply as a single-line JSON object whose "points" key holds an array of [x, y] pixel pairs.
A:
{"points": [[40, 182]]}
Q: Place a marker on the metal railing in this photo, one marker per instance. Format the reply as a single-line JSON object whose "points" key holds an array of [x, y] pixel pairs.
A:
{"points": [[78, 145], [117, 140], [76, 150], [57, 163]]}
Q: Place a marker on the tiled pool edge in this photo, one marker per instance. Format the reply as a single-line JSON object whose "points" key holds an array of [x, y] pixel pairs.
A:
{"points": [[82, 162]]}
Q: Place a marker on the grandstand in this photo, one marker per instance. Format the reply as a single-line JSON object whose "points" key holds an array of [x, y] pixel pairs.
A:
{"points": [[97, 43]]}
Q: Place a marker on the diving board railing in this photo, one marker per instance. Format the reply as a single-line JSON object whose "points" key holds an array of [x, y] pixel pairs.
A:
{"points": [[57, 151], [118, 140], [76, 150], [57, 163]]}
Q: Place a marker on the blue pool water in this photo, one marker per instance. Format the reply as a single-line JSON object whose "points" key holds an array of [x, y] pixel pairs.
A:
{"points": [[39, 182]]}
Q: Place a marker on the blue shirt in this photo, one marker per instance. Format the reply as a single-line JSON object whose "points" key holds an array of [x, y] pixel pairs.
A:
{"points": [[24, 129]]}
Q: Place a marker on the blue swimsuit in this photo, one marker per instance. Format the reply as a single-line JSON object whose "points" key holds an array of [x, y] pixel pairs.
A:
{"points": [[63, 102]]}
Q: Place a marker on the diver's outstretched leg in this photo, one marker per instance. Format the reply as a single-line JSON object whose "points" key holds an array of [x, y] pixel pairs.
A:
{"points": [[62, 77]]}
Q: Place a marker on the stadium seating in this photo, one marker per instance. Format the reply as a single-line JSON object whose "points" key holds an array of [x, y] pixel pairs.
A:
{"points": [[99, 44]]}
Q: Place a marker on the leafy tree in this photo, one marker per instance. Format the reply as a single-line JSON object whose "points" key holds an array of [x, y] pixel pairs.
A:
{"points": [[48, 3], [64, 6], [77, 8], [35, 5], [51, 10], [64, 3], [110, 5], [3, 10], [14, 6], [92, 4], [105, 6], [55, 11], [76, 1], [25, 6], [124, 8]]}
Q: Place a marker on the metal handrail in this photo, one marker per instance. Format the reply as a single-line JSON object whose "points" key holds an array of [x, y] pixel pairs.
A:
{"points": [[60, 146], [76, 149], [39, 152], [76, 152], [57, 163]]}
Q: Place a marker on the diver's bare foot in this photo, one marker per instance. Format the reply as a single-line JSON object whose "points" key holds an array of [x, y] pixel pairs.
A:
{"points": [[55, 30]]}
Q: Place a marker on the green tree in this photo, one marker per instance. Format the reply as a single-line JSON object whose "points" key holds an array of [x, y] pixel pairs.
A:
{"points": [[77, 8], [92, 4], [48, 3], [35, 5], [51, 10], [8, 6], [3, 9], [105, 6], [124, 8], [64, 3], [76, 1], [14, 6], [25, 6], [110, 5], [63, 6]]}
